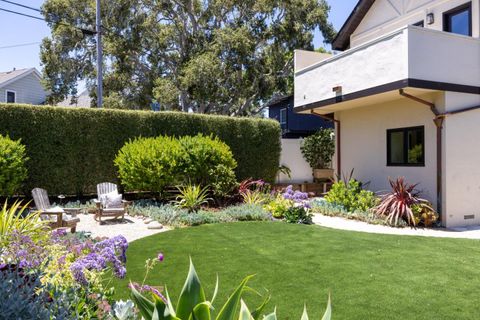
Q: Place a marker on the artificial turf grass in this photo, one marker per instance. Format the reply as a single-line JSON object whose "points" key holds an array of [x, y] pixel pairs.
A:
{"points": [[370, 276]]}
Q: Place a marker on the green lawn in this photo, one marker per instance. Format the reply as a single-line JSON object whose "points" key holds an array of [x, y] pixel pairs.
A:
{"points": [[370, 276]]}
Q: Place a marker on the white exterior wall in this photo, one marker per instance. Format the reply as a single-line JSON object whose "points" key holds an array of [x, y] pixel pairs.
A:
{"points": [[407, 53], [461, 178], [28, 90], [387, 15], [364, 144], [291, 157]]}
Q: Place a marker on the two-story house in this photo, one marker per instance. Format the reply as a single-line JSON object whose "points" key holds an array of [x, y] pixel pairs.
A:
{"points": [[22, 86], [404, 95]]}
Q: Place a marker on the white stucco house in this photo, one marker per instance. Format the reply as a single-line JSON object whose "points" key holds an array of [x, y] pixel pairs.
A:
{"points": [[22, 86], [404, 93]]}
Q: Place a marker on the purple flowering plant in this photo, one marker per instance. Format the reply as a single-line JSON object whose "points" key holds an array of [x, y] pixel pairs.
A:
{"points": [[299, 198]]}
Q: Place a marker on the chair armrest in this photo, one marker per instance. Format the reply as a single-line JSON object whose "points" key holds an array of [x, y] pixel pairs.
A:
{"points": [[59, 215], [98, 203], [72, 211]]}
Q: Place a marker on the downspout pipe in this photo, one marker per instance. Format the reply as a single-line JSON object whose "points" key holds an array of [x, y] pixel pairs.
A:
{"points": [[337, 138], [438, 120]]}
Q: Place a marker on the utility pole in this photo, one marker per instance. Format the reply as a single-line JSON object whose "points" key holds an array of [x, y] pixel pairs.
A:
{"points": [[99, 57]]}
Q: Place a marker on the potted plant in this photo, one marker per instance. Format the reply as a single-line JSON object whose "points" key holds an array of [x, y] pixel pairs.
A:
{"points": [[318, 150]]}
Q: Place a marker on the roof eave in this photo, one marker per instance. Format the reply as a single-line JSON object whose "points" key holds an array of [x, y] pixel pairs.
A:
{"points": [[341, 41]]}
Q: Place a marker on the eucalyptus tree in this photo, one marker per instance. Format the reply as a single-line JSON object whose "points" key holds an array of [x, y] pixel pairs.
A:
{"points": [[209, 56]]}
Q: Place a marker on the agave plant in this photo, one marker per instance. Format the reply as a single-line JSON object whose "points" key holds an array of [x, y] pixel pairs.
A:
{"points": [[397, 204], [11, 220], [192, 197], [192, 304]]}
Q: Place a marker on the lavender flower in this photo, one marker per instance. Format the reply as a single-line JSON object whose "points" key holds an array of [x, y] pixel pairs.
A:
{"points": [[160, 257]]}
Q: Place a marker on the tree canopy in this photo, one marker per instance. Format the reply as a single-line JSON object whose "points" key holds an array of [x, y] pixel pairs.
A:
{"points": [[210, 56]]}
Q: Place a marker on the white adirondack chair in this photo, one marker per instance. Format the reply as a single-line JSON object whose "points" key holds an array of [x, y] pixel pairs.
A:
{"points": [[105, 208], [57, 217]]}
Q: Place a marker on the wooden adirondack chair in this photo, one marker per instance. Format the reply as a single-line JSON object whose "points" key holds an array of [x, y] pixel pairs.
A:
{"points": [[57, 217], [104, 208]]}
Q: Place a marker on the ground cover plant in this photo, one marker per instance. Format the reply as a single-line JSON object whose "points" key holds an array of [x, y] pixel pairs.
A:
{"points": [[370, 276], [171, 215], [351, 195]]}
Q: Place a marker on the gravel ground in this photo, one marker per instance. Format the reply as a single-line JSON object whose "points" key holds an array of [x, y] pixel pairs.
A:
{"points": [[132, 228], [472, 232]]}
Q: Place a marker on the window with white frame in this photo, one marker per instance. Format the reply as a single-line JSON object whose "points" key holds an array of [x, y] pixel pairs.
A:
{"points": [[283, 116], [10, 96]]}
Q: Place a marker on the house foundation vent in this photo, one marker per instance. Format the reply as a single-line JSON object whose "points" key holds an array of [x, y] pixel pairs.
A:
{"points": [[469, 217]]}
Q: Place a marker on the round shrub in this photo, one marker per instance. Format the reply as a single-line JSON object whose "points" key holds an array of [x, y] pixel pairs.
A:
{"points": [[149, 164], [12, 165], [207, 161]]}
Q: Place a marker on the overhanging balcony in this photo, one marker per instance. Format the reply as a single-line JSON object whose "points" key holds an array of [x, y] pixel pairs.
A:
{"points": [[411, 57]]}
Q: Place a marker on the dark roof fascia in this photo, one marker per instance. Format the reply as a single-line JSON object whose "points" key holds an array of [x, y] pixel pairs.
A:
{"points": [[279, 100], [341, 41], [396, 85]]}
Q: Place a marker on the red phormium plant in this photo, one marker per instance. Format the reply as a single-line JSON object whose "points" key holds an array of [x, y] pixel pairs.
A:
{"points": [[398, 203]]}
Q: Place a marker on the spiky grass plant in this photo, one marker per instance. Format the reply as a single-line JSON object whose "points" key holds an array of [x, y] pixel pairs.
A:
{"points": [[397, 204]]}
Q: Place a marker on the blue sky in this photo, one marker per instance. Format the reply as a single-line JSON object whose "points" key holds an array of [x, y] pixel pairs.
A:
{"points": [[16, 30]]}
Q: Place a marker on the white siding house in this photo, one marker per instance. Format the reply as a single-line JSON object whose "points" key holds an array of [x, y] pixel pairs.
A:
{"points": [[22, 86], [404, 93]]}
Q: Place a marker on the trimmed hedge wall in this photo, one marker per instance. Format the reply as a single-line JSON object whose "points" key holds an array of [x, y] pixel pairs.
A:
{"points": [[72, 149]]}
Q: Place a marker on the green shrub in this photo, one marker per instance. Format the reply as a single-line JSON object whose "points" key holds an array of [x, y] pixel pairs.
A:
{"points": [[149, 164], [351, 196], [72, 149], [318, 149], [298, 214], [279, 206], [201, 155], [13, 171]]}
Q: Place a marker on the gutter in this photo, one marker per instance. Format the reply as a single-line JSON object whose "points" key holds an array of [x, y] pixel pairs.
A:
{"points": [[438, 120], [337, 138]]}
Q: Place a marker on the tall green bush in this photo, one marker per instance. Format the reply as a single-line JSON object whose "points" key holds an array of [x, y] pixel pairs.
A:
{"points": [[13, 170], [151, 164], [72, 149]]}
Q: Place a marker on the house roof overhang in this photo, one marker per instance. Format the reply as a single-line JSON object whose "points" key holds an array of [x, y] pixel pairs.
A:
{"points": [[381, 94], [22, 75], [342, 40]]}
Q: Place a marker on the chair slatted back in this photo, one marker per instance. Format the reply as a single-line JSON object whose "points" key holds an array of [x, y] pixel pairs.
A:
{"points": [[106, 187], [40, 197]]}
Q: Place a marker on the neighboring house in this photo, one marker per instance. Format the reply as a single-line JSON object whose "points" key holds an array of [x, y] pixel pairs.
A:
{"points": [[83, 100], [294, 125], [22, 86], [405, 92]]}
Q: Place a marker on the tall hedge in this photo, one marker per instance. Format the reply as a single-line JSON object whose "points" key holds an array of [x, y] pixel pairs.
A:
{"points": [[72, 149]]}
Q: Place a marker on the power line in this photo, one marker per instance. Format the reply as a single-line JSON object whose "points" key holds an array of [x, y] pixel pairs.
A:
{"points": [[20, 45], [22, 14], [21, 5], [87, 32]]}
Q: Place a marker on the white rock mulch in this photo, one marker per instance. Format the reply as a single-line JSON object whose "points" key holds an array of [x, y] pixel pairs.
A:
{"points": [[132, 228], [472, 232]]}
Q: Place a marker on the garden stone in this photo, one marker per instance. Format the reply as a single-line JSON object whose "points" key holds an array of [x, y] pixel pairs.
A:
{"points": [[155, 225]]}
